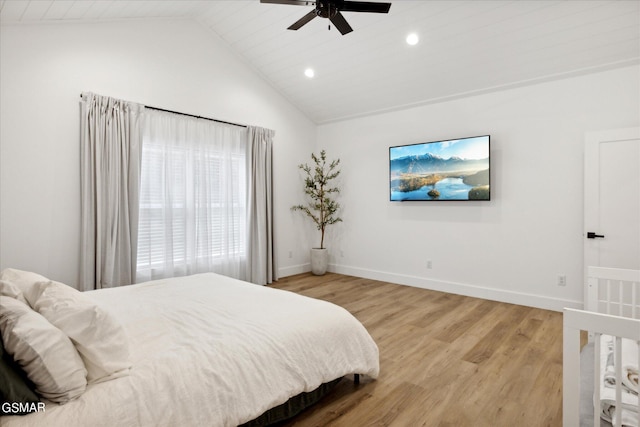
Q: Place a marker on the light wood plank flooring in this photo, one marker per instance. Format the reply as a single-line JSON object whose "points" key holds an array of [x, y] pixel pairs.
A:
{"points": [[445, 360]]}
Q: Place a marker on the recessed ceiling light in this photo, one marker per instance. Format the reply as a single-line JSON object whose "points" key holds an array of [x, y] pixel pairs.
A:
{"points": [[413, 39], [309, 72]]}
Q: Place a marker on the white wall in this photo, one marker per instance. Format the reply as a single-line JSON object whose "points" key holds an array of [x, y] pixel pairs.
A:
{"points": [[511, 248], [171, 64]]}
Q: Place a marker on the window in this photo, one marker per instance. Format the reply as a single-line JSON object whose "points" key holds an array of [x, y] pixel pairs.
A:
{"points": [[193, 211]]}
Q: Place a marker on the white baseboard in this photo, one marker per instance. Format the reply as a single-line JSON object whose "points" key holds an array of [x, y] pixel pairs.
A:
{"points": [[493, 294], [294, 269]]}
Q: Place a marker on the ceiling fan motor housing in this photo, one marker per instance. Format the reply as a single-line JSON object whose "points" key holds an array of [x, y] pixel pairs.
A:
{"points": [[331, 9], [325, 9]]}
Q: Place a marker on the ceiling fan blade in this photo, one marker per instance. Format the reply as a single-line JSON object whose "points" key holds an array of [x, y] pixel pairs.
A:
{"points": [[364, 6], [291, 2], [300, 22], [341, 24]]}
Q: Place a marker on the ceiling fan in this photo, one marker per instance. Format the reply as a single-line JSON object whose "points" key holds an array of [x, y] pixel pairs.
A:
{"points": [[331, 9]]}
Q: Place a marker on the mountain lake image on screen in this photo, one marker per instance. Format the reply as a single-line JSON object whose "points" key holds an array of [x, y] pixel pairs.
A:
{"points": [[455, 169]]}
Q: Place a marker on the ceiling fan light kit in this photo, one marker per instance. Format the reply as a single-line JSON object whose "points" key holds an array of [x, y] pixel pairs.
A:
{"points": [[331, 9]]}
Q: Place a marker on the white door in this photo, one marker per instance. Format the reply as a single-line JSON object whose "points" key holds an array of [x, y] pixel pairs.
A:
{"points": [[612, 199]]}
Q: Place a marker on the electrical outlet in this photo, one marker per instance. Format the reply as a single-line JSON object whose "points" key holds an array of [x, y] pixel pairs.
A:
{"points": [[290, 254], [429, 264], [341, 254], [562, 280]]}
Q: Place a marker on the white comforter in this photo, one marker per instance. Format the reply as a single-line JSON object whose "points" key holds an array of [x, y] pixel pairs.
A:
{"points": [[208, 350]]}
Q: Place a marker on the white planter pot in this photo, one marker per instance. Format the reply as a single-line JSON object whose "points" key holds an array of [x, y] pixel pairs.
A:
{"points": [[319, 261]]}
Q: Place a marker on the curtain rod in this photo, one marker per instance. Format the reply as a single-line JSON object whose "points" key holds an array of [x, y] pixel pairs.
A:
{"points": [[192, 115], [197, 117]]}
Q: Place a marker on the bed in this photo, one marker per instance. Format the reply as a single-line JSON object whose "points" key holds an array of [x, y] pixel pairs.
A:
{"points": [[202, 350], [600, 383]]}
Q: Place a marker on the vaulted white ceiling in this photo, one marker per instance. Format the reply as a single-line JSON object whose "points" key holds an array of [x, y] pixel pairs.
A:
{"points": [[465, 48]]}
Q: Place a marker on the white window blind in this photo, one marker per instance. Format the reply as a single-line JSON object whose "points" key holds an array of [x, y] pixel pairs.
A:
{"points": [[192, 198]]}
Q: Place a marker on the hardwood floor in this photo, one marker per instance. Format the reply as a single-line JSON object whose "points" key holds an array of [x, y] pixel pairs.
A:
{"points": [[445, 360]]}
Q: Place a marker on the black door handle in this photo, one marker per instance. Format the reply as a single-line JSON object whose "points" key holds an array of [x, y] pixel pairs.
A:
{"points": [[592, 235]]}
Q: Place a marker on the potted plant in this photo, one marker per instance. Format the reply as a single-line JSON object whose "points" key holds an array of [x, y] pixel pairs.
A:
{"points": [[321, 208]]}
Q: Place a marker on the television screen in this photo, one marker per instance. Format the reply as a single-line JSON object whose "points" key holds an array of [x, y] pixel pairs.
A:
{"points": [[455, 169]]}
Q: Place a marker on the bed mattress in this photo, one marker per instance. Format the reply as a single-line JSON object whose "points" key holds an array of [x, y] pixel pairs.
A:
{"points": [[211, 350]]}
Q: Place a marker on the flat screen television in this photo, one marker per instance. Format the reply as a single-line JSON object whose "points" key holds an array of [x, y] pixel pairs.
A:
{"points": [[454, 169]]}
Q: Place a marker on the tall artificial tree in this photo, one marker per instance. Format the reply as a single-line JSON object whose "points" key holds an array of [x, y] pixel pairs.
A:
{"points": [[319, 188]]}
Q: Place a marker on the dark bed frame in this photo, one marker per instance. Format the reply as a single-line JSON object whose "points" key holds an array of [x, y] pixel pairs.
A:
{"points": [[295, 405]]}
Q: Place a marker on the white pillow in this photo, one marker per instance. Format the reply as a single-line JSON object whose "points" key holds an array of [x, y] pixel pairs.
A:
{"points": [[97, 335], [43, 351], [22, 280], [8, 289]]}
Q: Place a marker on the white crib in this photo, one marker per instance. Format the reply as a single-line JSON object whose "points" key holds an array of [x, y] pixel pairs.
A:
{"points": [[612, 312]]}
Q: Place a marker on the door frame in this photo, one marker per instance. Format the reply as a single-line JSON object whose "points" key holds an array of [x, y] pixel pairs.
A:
{"points": [[591, 215]]}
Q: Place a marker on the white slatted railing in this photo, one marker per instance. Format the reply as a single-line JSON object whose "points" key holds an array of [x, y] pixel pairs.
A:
{"points": [[612, 308], [613, 291], [620, 289]]}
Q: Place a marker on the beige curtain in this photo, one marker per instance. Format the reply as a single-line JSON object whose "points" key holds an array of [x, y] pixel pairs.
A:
{"points": [[110, 170], [261, 256]]}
